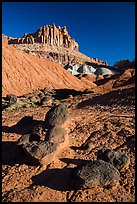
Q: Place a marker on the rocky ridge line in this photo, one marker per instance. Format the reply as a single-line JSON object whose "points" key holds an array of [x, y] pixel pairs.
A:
{"points": [[53, 38], [48, 34]]}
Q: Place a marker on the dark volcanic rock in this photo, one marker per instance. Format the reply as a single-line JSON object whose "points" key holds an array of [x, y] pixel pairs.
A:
{"points": [[95, 173], [56, 135], [46, 101], [25, 139], [39, 152], [43, 152], [11, 98], [39, 129], [118, 159], [57, 115]]}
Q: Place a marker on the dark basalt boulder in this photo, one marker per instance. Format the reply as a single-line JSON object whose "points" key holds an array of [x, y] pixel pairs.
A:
{"points": [[57, 115], [44, 151], [11, 98], [26, 138], [45, 101], [94, 174], [39, 129], [40, 152], [118, 159]]}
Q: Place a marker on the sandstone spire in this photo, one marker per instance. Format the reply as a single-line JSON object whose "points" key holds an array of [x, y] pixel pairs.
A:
{"points": [[48, 34]]}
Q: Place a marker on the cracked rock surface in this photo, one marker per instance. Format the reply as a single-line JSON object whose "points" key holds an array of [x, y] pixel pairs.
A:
{"points": [[96, 173], [118, 159], [57, 115]]}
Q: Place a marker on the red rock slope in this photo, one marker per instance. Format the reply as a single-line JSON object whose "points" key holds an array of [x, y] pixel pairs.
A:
{"points": [[23, 73]]}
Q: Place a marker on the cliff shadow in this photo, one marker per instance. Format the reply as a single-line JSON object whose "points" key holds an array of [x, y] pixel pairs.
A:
{"points": [[65, 93], [124, 97], [105, 80]]}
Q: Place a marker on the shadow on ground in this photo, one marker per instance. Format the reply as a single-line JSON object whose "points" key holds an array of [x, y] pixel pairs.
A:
{"points": [[124, 97], [12, 154], [22, 128], [58, 179]]}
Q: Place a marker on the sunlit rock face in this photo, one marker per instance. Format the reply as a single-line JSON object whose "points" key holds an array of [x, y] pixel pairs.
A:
{"points": [[53, 43], [48, 34]]}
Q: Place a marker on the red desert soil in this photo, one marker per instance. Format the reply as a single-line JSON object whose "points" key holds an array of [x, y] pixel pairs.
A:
{"points": [[87, 79], [105, 118], [23, 73]]}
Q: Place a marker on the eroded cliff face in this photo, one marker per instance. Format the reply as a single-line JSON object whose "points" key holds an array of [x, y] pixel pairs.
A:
{"points": [[53, 43], [48, 34]]}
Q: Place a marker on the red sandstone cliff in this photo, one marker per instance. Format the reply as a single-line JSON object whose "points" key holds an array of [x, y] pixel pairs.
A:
{"points": [[53, 43], [48, 34]]}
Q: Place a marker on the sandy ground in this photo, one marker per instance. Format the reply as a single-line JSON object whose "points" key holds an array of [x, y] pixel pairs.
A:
{"points": [[107, 120]]}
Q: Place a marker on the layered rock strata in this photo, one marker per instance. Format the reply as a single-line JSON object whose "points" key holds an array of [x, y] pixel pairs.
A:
{"points": [[48, 34], [53, 43], [23, 73]]}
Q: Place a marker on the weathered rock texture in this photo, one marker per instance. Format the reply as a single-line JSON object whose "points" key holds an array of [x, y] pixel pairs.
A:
{"points": [[23, 73], [118, 159], [96, 173], [57, 115], [126, 78], [40, 152], [43, 152], [61, 55], [124, 64], [53, 43], [48, 34], [11, 98], [105, 119], [27, 138]]}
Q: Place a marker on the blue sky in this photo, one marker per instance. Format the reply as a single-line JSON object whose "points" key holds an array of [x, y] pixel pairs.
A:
{"points": [[105, 30]]}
